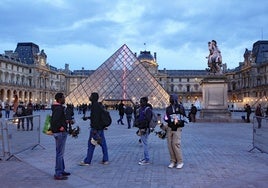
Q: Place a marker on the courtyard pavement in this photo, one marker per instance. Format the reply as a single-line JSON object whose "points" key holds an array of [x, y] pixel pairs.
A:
{"points": [[214, 154]]}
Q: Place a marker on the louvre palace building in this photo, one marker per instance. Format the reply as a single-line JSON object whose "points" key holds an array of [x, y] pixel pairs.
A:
{"points": [[125, 75]]}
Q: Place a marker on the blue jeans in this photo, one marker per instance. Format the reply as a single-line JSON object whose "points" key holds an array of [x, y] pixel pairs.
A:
{"points": [[144, 140], [129, 121], [60, 139], [7, 114], [90, 150]]}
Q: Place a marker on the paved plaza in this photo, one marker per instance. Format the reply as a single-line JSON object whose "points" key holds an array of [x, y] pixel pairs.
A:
{"points": [[215, 155]]}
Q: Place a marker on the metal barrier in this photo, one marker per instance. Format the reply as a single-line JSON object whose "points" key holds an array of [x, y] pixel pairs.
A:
{"points": [[20, 135], [260, 134], [2, 146]]}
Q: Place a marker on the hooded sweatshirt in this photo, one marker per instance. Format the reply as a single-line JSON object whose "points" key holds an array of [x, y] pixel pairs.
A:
{"points": [[58, 118], [95, 114]]}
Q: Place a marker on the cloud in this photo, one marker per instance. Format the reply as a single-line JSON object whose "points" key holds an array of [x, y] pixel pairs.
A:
{"points": [[177, 30]]}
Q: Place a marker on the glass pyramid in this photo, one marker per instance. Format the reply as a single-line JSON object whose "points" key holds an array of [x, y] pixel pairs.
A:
{"points": [[121, 77]]}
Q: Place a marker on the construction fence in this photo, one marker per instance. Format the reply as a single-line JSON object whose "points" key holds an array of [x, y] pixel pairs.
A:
{"points": [[260, 134], [19, 134]]}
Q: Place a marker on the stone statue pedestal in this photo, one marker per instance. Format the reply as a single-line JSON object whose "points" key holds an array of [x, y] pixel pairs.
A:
{"points": [[215, 107]]}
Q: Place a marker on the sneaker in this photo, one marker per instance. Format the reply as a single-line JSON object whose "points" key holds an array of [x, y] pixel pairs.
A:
{"points": [[60, 177], [82, 163], [179, 166], [143, 162], [171, 165], [105, 162], [66, 173]]}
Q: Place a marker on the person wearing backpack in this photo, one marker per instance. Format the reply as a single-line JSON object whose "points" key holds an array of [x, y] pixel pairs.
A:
{"points": [[20, 113], [173, 128], [143, 120], [96, 134]]}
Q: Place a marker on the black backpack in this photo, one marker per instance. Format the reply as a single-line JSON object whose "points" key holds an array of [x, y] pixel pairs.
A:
{"points": [[106, 119], [153, 122]]}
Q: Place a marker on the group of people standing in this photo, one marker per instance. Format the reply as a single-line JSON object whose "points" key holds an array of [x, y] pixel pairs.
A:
{"points": [[259, 112], [128, 110], [59, 128], [23, 112], [143, 116]]}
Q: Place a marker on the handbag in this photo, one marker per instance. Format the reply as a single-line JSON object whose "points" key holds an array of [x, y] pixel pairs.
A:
{"points": [[46, 128]]}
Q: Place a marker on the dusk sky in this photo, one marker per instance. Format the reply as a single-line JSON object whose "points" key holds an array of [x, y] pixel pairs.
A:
{"points": [[85, 33]]}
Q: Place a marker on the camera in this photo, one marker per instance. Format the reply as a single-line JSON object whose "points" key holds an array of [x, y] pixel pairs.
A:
{"points": [[74, 132], [161, 134]]}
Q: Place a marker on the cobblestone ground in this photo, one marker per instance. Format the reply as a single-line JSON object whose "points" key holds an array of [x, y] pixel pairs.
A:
{"points": [[215, 155]]}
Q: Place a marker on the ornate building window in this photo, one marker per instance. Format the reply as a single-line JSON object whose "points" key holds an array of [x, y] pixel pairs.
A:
{"points": [[188, 88]]}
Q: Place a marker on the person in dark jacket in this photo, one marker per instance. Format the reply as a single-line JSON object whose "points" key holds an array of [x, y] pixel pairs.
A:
{"points": [[192, 114], [248, 112], [29, 114], [258, 114], [69, 113], [121, 111], [129, 112], [145, 116], [59, 130], [96, 135], [20, 113]]}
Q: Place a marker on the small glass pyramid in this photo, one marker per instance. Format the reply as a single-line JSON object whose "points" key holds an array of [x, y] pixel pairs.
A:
{"points": [[121, 77]]}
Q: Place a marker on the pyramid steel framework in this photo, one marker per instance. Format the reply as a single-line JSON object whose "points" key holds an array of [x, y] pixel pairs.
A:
{"points": [[121, 77]]}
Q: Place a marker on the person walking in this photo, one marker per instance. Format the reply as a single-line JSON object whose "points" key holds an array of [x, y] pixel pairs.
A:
{"points": [[121, 110], [145, 115], [96, 134], [173, 115], [129, 112], [59, 130]]}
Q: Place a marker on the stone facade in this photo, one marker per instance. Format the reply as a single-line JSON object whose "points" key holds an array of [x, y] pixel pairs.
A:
{"points": [[33, 79]]}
